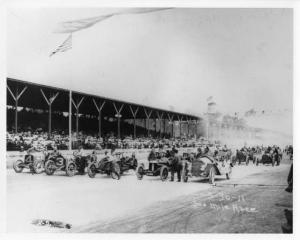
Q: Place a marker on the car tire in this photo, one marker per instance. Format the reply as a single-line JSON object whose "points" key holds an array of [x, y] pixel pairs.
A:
{"points": [[17, 166], [185, 176], [135, 163], [91, 170], [70, 169], [140, 172], [115, 171], [164, 172], [50, 167], [212, 173], [38, 167]]}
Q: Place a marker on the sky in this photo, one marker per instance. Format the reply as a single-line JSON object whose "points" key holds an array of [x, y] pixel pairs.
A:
{"points": [[171, 59]]}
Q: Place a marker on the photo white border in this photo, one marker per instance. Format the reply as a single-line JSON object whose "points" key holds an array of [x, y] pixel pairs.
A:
{"points": [[145, 3]]}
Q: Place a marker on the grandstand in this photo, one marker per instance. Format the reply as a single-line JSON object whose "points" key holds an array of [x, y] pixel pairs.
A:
{"points": [[31, 105]]}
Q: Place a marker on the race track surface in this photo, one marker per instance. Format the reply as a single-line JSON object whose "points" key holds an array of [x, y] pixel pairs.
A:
{"points": [[251, 202]]}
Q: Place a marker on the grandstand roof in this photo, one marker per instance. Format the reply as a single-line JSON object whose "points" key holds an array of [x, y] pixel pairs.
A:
{"points": [[32, 98]]}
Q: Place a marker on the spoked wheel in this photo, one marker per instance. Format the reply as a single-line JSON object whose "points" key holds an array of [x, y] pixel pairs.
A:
{"points": [[135, 163], [185, 172], [212, 173], [71, 169], [91, 170], [38, 167], [115, 173], [140, 173], [164, 173], [50, 167], [18, 166]]}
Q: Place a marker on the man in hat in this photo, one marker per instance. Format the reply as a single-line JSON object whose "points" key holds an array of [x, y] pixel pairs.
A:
{"points": [[175, 164]]}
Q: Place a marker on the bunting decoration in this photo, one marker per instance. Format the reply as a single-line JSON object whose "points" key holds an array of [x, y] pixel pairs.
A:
{"points": [[78, 25], [65, 46]]}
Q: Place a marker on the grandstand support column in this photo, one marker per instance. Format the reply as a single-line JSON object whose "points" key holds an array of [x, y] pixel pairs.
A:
{"points": [[77, 105], [99, 108], [188, 126], [170, 117], [160, 116], [148, 115], [70, 120], [49, 102], [16, 97], [134, 113], [118, 116], [180, 121]]}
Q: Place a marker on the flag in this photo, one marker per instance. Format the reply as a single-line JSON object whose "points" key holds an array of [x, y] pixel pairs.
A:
{"points": [[77, 25], [65, 46]]}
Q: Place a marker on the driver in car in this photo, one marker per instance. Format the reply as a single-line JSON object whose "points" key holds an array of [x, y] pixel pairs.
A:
{"points": [[151, 155]]}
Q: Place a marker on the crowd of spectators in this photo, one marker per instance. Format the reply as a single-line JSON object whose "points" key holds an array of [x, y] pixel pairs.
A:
{"points": [[26, 140]]}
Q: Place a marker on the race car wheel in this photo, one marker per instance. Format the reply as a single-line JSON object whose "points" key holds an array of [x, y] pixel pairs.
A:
{"points": [[38, 167], [71, 169], [50, 167], [185, 172], [140, 173], [91, 170], [164, 173], [17, 166], [135, 163], [185, 176], [116, 172], [212, 173]]}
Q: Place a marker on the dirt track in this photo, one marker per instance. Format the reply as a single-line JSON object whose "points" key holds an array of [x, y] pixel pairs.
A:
{"points": [[129, 205]]}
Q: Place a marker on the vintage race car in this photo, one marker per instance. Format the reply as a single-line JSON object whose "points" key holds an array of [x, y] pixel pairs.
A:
{"points": [[33, 160], [105, 165], [57, 162], [158, 166], [208, 167], [269, 158], [126, 163], [240, 157]]}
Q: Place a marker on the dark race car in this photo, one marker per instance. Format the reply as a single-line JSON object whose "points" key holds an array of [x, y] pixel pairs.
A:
{"points": [[270, 157], [57, 162], [240, 157], [106, 165], [126, 163]]}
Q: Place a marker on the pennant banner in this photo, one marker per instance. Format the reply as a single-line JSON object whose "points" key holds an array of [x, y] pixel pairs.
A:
{"points": [[66, 45], [77, 25]]}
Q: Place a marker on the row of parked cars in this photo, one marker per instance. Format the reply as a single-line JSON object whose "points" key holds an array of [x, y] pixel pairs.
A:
{"points": [[187, 164], [272, 156], [162, 164], [51, 162]]}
